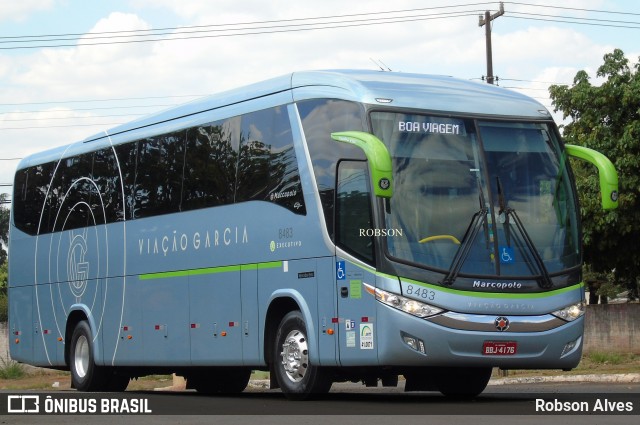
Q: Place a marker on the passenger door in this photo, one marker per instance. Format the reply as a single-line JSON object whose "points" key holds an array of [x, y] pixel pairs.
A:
{"points": [[354, 230]]}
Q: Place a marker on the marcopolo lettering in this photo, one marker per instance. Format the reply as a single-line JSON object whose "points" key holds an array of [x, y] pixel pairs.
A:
{"points": [[496, 285]]}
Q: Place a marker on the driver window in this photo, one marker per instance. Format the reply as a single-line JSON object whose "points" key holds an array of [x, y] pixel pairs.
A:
{"points": [[354, 229]]}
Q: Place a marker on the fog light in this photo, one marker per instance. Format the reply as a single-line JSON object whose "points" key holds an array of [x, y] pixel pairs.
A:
{"points": [[570, 347], [416, 343]]}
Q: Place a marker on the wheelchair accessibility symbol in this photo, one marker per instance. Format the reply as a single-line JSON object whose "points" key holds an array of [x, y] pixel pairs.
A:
{"points": [[340, 273], [506, 255]]}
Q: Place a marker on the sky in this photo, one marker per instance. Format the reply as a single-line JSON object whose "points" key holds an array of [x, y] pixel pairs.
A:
{"points": [[62, 88]]}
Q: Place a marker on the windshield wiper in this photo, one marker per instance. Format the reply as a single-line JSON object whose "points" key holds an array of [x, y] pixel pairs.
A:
{"points": [[477, 222], [503, 216]]}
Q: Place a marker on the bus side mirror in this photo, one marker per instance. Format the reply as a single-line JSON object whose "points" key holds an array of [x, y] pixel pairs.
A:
{"points": [[378, 157], [606, 171]]}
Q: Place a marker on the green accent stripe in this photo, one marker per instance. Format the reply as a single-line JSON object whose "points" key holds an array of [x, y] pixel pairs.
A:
{"points": [[270, 265], [209, 270], [509, 295], [476, 294]]}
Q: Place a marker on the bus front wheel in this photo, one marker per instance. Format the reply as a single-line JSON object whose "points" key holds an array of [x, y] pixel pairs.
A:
{"points": [[298, 378], [462, 382]]}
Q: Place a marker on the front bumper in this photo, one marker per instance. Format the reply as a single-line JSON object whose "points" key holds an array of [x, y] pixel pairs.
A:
{"points": [[454, 339]]}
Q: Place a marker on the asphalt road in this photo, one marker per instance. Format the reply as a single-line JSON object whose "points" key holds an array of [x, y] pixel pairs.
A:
{"points": [[353, 404]]}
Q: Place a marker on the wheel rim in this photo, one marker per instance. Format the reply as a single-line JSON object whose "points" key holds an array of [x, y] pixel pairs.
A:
{"points": [[295, 355], [81, 357]]}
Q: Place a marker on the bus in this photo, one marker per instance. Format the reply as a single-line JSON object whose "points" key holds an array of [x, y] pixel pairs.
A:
{"points": [[324, 226]]}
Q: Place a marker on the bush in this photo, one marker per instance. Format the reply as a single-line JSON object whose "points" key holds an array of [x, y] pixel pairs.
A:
{"points": [[10, 369]]}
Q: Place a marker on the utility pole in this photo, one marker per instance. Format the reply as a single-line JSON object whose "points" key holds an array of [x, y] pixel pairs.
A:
{"points": [[486, 21]]}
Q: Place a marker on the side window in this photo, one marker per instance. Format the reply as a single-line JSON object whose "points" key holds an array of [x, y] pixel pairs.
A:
{"points": [[353, 210], [158, 184], [23, 216], [71, 193], [211, 161], [267, 164], [107, 177], [127, 157], [30, 191], [320, 118]]}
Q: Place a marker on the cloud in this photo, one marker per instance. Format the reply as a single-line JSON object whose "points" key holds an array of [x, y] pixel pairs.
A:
{"points": [[21, 9], [528, 50]]}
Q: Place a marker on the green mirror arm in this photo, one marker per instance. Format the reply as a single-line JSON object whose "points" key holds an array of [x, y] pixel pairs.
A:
{"points": [[606, 171], [378, 157]]}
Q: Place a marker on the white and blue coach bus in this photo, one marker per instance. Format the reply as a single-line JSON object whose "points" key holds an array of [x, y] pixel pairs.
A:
{"points": [[324, 226]]}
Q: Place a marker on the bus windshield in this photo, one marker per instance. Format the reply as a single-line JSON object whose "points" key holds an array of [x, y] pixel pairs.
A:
{"points": [[477, 197]]}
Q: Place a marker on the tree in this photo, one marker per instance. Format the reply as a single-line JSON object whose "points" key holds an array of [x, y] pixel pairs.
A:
{"points": [[607, 118], [4, 228]]}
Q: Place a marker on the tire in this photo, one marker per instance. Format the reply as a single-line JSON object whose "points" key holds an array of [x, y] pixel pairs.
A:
{"points": [[232, 380], [116, 383], [85, 375], [297, 376], [462, 382]]}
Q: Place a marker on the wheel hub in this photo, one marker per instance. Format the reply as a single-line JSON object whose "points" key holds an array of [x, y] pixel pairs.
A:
{"points": [[295, 355], [81, 357]]}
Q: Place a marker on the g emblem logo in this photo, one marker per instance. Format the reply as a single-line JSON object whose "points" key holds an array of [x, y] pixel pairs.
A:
{"points": [[77, 267]]}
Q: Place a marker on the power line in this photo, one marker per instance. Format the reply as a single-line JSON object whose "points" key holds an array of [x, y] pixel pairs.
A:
{"points": [[296, 25], [349, 16], [62, 126], [575, 20], [49, 111], [116, 99], [70, 118], [532, 81], [573, 8], [234, 32]]}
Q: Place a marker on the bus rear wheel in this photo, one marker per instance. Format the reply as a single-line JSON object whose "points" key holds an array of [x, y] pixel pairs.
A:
{"points": [[85, 374], [298, 378]]}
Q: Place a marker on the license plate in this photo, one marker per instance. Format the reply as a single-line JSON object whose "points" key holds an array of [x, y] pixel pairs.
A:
{"points": [[499, 348]]}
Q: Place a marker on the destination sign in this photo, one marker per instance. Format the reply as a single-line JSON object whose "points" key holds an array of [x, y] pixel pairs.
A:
{"points": [[431, 125]]}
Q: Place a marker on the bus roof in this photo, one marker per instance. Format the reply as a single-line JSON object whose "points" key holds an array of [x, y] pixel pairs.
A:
{"points": [[430, 92], [391, 89]]}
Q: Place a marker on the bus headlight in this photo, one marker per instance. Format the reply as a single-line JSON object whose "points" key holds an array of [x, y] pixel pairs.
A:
{"points": [[407, 305], [571, 312]]}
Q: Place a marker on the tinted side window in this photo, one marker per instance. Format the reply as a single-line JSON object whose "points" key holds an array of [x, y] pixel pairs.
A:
{"points": [[267, 164], [127, 157], [211, 164], [158, 181], [22, 216], [107, 178], [73, 189], [353, 210], [30, 190], [320, 118]]}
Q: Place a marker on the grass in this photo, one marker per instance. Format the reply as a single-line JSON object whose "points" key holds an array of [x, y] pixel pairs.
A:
{"points": [[592, 363], [608, 358], [10, 369], [14, 376]]}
